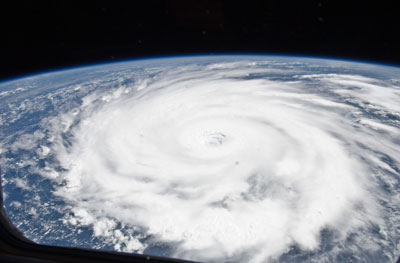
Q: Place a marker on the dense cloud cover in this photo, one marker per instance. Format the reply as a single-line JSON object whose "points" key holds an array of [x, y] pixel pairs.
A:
{"points": [[249, 160]]}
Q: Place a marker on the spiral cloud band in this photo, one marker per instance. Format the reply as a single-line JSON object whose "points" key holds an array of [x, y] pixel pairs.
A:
{"points": [[243, 161]]}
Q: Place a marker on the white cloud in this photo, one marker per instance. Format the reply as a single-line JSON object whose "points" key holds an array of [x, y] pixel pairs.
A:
{"points": [[22, 184], [221, 166]]}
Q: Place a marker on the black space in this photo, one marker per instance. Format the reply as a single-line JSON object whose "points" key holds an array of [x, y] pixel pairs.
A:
{"points": [[41, 36]]}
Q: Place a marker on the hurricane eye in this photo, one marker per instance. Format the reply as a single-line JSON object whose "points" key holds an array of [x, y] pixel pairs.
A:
{"points": [[214, 138]]}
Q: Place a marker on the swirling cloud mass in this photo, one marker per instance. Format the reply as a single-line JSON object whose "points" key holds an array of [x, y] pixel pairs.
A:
{"points": [[250, 160]]}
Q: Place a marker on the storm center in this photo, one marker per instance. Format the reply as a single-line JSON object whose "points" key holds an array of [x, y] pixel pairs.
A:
{"points": [[214, 139]]}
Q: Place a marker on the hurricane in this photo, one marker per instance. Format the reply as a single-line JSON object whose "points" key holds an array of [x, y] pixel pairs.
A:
{"points": [[237, 159]]}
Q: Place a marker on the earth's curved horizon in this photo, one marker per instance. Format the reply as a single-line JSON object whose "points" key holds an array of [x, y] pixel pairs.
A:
{"points": [[232, 158]]}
